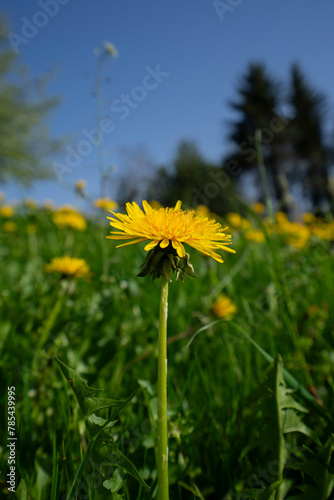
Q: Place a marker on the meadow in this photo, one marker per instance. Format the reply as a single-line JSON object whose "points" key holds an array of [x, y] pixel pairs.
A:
{"points": [[250, 362]]}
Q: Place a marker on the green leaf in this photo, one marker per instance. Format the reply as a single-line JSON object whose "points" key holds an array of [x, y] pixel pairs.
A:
{"points": [[92, 405], [102, 446], [115, 483], [4, 331], [267, 494], [79, 386], [21, 491], [279, 414], [42, 481], [319, 469]]}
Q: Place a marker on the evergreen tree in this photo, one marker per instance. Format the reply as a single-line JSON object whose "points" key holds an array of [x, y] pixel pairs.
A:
{"points": [[306, 133], [257, 104]]}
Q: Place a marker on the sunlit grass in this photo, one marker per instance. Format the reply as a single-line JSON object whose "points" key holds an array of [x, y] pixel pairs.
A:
{"points": [[106, 330]]}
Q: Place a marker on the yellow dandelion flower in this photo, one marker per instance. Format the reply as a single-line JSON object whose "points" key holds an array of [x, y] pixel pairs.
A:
{"points": [[202, 211], [31, 229], [281, 217], [236, 221], [80, 185], [255, 235], [223, 307], [105, 203], [170, 227], [258, 208], [323, 231], [9, 227], [30, 203], [296, 234], [69, 267], [71, 219], [7, 211], [308, 218]]}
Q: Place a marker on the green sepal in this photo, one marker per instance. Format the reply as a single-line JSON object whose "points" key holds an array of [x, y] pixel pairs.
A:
{"points": [[159, 262]]}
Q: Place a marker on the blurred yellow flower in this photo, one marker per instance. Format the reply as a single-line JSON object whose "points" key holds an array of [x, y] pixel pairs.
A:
{"points": [[258, 208], [30, 203], [170, 227], [105, 203], [31, 228], [255, 235], [69, 219], [236, 221], [80, 185], [323, 231], [9, 227], [202, 211], [7, 211], [110, 49], [223, 307], [297, 234], [281, 217], [308, 218], [69, 267]]}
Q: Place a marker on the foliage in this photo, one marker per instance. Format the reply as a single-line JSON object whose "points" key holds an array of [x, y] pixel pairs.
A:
{"points": [[24, 139], [193, 180]]}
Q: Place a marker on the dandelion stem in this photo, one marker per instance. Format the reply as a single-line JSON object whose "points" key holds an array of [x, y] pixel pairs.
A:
{"points": [[162, 457]]}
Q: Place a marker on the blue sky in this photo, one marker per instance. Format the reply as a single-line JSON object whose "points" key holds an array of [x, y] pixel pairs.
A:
{"points": [[200, 53]]}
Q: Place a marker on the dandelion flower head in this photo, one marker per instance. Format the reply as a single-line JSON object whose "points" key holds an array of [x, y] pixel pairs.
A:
{"points": [[69, 267], [69, 219], [170, 227], [105, 203], [7, 211], [223, 307]]}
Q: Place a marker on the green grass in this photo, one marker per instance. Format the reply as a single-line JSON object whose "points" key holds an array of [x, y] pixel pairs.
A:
{"points": [[226, 416]]}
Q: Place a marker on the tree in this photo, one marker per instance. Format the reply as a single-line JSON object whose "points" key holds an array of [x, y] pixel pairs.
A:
{"points": [[24, 139], [257, 105], [194, 181], [306, 133]]}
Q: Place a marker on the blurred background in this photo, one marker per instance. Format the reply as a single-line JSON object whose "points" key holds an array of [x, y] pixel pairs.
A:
{"points": [[161, 101]]}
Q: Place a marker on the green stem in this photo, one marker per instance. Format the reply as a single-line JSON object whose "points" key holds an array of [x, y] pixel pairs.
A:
{"points": [[163, 493]]}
